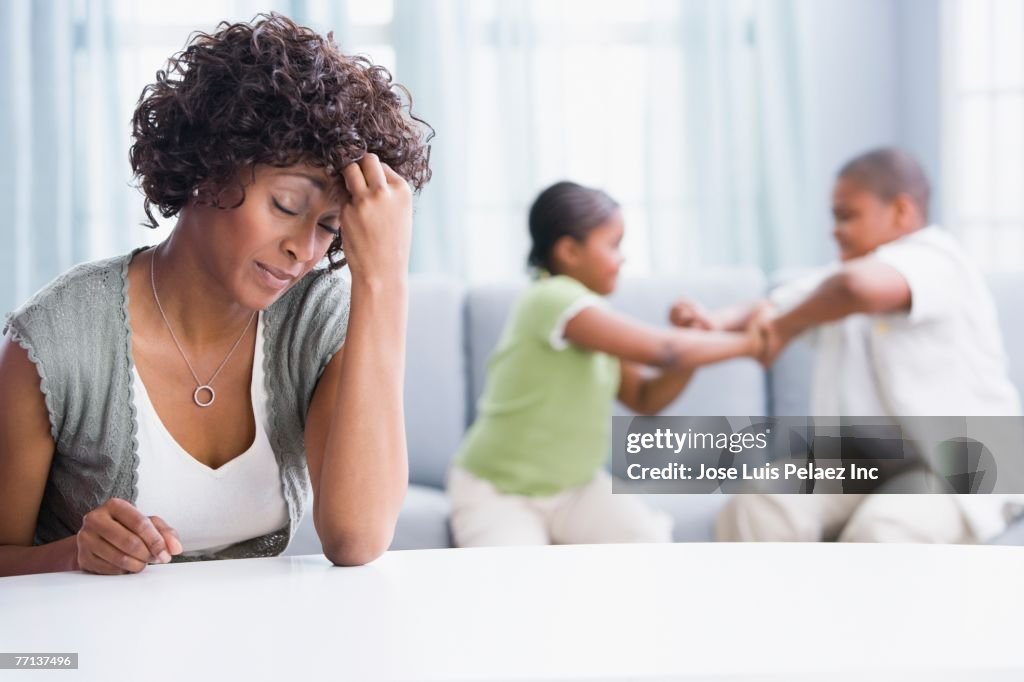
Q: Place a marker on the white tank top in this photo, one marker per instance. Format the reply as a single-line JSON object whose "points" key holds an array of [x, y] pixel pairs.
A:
{"points": [[210, 508]]}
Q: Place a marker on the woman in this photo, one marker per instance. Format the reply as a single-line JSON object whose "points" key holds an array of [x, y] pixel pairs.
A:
{"points": [[182, 399]]}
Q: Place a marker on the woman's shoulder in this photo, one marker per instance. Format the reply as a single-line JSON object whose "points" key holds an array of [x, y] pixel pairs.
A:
{"points": [[304, 329], [321, 293], [78, 299], [311, 318]]}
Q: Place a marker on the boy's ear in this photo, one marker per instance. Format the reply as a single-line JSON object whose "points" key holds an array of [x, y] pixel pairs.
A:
{"points": [[907, 213]]}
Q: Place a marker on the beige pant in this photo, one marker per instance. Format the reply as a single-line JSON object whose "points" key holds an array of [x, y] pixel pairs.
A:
{"points": [[847, 518], [482, 516]]}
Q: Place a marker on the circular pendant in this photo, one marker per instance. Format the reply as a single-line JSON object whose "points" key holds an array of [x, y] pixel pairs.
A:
{"points": [[208, 389]]}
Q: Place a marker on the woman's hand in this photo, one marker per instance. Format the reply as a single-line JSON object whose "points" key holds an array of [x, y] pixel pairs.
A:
{"points": [[117, 538], [376, 222]]}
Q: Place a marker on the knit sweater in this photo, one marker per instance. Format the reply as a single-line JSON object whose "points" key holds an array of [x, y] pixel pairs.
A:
{"points": [[77, 333]]}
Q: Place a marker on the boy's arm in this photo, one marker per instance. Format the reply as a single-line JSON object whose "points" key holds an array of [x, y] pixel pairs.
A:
{"points": [[861, 286]]}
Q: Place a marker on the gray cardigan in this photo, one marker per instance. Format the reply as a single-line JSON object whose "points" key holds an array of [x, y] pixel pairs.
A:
{"points": [[76, 331]]}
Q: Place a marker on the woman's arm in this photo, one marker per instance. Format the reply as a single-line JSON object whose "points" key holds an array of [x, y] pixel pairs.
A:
{"points": [[26, 452], [603, 330], [355, 435], [650, 394], [355, 429], [115, 538]]}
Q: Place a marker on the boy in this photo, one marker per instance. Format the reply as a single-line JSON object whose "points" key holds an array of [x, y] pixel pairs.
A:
{"points": [[903, 325]]}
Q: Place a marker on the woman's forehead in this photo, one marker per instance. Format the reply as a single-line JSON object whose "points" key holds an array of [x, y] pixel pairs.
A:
{"points": [[332, 186]]}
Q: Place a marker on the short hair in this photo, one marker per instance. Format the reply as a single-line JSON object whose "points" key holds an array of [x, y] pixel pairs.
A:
{"points": [[888, 172], [565, 209], [267, 92]]}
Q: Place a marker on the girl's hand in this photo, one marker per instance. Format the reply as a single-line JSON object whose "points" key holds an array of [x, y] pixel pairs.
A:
{"points": [[690, 314], [117, 538], [756, 337], [376, 222]]}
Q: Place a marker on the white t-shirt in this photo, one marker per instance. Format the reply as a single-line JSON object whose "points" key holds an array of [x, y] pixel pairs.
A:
{"points": [[210, 508], [943, 357]]}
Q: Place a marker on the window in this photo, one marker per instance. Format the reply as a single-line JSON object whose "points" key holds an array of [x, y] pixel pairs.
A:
{"points": [[984, 129], [597, 92]]}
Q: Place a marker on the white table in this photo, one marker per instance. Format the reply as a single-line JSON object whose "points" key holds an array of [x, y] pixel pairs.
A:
{"points": [[683, 611]]}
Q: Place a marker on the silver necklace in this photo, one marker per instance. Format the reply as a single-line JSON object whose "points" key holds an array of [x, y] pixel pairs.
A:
{"points": [[200, 386]]}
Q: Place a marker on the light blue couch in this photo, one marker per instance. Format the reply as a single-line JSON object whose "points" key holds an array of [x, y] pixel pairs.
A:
{"points": [[452, 331]]}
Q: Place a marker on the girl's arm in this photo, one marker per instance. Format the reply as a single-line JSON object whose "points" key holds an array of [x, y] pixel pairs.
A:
{"points": [[603, 330], [650, 394], [734, 318], [355, 428]]}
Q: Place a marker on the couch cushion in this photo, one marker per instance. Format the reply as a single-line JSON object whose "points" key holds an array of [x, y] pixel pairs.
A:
{"points": [[487, 306], [423, 521], [422, 524], [435, 378], [1006, 290], [789, 380], [694, 515]]}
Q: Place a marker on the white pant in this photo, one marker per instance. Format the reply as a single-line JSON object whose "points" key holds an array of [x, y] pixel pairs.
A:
{"points": [[846, 518], [482, 516]]}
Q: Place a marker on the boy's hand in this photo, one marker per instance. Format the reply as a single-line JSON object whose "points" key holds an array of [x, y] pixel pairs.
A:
{"points": [[774, 340], [691, 315], [757, 330]]}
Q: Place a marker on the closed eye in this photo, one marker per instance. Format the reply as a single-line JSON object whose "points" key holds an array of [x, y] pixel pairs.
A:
{"points": [[335, 231], [282, 209]]}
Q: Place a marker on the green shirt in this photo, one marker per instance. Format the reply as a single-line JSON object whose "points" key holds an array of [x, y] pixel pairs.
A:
{"points": [[544, 418]]}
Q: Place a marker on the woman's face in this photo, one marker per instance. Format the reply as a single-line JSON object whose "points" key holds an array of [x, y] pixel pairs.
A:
{"points": [[284, 227]]}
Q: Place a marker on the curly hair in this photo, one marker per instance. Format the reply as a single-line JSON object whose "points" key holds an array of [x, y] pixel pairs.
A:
{"points": [[267, 92]]}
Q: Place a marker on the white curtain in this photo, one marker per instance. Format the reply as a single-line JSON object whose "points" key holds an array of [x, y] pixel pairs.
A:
{"points": [[63, 183], [688, 112]]}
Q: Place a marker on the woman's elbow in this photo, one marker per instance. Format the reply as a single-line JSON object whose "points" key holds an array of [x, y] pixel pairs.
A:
{"points": [[356, 549]]}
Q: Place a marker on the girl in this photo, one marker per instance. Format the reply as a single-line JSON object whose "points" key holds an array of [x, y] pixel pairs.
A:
{"points": [[530, 470], [180, 400]]}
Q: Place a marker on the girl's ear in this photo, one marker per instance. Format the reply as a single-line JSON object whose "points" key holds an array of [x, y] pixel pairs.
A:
{"points": [[564, 253]]}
